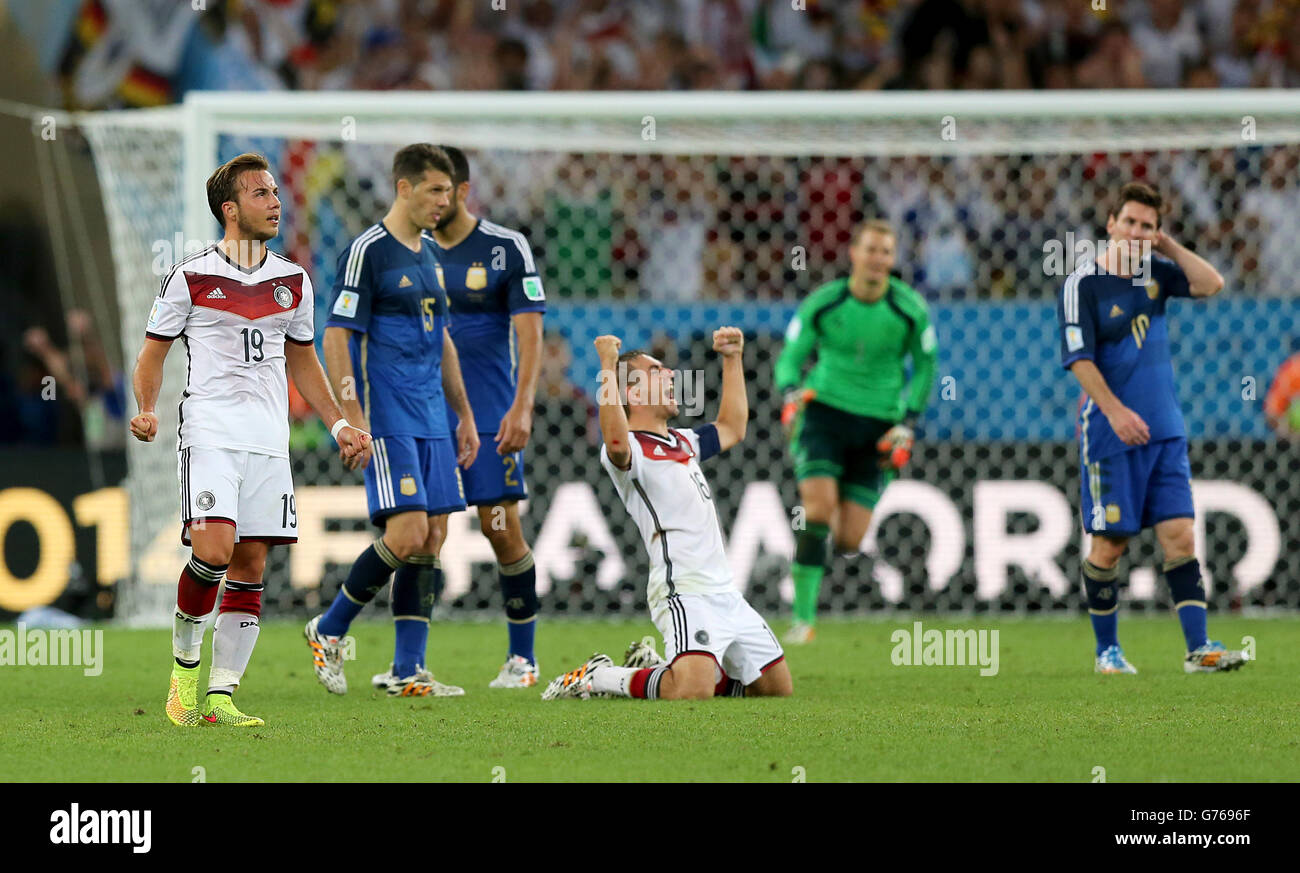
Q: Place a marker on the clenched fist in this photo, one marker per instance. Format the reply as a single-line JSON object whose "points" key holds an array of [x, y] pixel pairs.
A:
{"points": [[728, 341], [144, 427], [608, 347]]}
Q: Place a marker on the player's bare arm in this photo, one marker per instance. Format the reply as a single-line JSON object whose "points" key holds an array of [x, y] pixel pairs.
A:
{"points": [[147, 382], [1126, 423], [454, 387], [1202, 279], [338, 364], [613, 420], [517, 425], [733, 409], [305, 370]]}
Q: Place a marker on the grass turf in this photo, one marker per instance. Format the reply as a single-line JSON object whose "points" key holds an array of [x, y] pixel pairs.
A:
{"points": [[855, 715]]}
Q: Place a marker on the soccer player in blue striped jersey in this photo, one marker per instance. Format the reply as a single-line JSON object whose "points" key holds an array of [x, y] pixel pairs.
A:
{"points": [[392, 361], [497, 303], [1132, 441]]}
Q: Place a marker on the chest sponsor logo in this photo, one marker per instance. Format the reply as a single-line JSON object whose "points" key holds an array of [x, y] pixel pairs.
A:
{"points": [[533, 288], [283, 296], [1115, 311], [346, 305], [216, 294], [476, 277], [1153, 289], [406, 282], [659, 452], [1073, 338]]}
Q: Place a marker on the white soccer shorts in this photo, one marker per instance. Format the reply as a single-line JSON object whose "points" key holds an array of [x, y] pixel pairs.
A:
{"points": [[723, 626], [249, 491]]}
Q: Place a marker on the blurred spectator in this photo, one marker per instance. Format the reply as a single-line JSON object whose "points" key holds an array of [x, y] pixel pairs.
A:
{"points": [[1114, 63], [99, 397], [1282, 403], [563, 411], [1169, 43]]}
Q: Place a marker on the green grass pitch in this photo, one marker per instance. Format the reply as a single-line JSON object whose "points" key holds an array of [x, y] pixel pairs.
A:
{"points": [[855, 715]]}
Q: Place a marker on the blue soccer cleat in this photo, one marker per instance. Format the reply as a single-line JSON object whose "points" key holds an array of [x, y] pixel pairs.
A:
{"points": [[1112, 661], [1213, 657]]}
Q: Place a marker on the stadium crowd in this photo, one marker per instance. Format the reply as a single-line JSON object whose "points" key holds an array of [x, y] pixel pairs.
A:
{"points": [[142, 52]]}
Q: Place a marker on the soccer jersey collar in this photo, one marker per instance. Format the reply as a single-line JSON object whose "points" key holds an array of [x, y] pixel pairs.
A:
{"points": [[266, 253]]}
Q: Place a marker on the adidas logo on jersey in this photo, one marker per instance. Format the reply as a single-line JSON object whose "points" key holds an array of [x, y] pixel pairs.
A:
{"points": [[405, 283], [659, 451], [216, 294], [1115, 311]]}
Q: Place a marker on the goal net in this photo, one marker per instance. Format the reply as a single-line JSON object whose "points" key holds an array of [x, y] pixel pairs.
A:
{"points": [[660, 217]]}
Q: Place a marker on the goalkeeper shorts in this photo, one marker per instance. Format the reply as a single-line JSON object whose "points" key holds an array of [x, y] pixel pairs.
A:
{"points": [[831, 442]]}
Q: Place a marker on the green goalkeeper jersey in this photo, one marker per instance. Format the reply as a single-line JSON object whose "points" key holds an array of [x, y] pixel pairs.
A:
{"points": [[861, 348]]}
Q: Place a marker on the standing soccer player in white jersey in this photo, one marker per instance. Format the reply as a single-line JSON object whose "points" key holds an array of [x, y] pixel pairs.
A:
{"points": [[245, 316], [496, 294], [716, 644]]}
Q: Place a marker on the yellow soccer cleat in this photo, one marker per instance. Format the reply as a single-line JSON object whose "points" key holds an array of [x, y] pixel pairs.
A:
{"points": [[220, 709], [182, 705]]}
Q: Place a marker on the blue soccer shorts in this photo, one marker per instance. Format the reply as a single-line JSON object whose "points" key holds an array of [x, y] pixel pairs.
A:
{"points": [[494, 478], [1137, 488], [411, 473]]}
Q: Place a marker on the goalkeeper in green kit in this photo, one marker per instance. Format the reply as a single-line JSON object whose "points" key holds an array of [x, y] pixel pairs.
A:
{"points": [[851, 422]]}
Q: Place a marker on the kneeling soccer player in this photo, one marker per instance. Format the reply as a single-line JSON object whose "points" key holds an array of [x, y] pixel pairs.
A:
{"points": [[716, 644]]}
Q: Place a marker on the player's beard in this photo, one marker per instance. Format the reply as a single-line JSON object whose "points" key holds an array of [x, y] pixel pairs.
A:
{"points": [[449, 216]]}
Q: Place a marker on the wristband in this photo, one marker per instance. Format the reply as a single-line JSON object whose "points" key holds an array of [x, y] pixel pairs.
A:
{"points": [[338, 426]]}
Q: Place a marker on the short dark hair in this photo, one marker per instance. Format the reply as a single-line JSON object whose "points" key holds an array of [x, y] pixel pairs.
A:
{"points": [[223, 184], [413, 161], [459, 164], [1138, 192]]}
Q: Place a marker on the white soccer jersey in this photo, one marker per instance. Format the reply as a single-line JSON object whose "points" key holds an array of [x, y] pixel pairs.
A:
{"points": [[234, 324], [667, 496]]}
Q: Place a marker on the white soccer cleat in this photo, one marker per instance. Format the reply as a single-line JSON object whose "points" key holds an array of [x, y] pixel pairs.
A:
{"points": [[577, 683], [381, 681], [422, 684], [800, 634], [327, 658], [1213, 657], [517, 672], [642, 654], [1111, 662]]}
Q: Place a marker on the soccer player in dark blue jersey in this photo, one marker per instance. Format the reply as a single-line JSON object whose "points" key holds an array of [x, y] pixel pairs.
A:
{"points": [[392, 360], [1132, 441], [497, 302]]}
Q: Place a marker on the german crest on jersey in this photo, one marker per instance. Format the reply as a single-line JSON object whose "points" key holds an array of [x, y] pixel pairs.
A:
{"points": [[283, 296]]}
